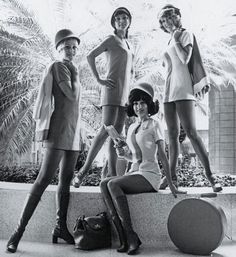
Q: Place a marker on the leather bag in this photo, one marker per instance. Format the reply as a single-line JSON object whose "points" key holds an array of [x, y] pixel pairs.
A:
{"points": [[92, 232]]}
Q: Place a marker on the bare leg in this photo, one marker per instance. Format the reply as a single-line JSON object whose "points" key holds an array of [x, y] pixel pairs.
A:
{"points": [[104, 170], [50, 163], [172, 123], [51, 160], [186, 112], [112, 156], [108, 118]]}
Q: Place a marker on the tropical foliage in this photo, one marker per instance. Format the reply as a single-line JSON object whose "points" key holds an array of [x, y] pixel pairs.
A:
{"points": [[26, 48]]}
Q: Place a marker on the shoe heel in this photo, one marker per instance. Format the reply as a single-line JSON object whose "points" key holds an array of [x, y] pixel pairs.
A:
{"points": [[139, 241], [54, 239], [11, 248], [217, 188]]}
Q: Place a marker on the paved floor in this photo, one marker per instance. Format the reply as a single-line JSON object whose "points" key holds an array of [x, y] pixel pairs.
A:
{"points": [[29, 249]]}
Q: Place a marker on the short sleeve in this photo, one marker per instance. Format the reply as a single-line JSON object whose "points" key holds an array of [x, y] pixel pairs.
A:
{"points": [[106, 43], [61, 72], [186, 38], [158, 131]]}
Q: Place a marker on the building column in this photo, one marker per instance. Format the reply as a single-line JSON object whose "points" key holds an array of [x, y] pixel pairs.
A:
{"points": [[222, 130]]}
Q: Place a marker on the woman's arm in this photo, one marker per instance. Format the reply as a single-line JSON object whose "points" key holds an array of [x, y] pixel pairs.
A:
{"points": [[124, 152], [91, 61], [65, 75], [164, 161], [184, 53]]}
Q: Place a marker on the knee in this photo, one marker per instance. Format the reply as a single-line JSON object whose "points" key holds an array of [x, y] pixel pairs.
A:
{"points": [[103, 185], [173, 135], [192, 133], [112, 186], [42, 182]]}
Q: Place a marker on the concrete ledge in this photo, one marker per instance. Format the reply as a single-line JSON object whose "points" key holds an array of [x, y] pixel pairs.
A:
{"points": [[149, 211]]}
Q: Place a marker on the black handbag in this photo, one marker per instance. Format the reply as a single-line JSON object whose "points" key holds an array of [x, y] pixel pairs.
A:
{"points": [[92, 232]]}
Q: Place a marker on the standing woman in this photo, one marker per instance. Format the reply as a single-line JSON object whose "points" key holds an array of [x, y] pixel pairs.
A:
{"points": [[185, 80], [115, 87], [145, 139], [60, 137]]}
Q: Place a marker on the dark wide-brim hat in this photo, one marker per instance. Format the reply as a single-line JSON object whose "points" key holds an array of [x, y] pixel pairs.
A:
{"points": [[63, 35], [118, 11]]}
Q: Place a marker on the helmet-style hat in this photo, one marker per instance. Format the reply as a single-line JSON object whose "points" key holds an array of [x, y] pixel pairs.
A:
{"points": [[120, 10], [63, 35], [147, 88]]}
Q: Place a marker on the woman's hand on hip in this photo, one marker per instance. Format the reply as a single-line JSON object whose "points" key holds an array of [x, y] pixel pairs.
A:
{"points": [[200, 94], [109, 83]]}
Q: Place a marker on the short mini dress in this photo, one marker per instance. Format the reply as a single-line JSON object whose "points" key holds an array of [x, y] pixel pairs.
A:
{"points": [[119, 65], [178, 84], [64, 128], [143, 146]]}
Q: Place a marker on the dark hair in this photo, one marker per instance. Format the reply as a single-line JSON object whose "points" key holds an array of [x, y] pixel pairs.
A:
{"points": [[137, 95], [176, 11], [120, 10]]}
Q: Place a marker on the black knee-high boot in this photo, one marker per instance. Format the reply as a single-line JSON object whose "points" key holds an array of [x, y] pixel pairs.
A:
{"points": [[114, 216], [31, 203], [133, 240], [61, 230], [123, 243]]}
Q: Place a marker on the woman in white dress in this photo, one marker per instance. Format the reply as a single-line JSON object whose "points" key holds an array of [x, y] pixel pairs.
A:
{"points": [[145, 139], [180, 59]]}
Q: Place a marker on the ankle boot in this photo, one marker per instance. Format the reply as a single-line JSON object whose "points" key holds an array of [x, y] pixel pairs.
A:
{"points": [[61, 230], [31, 203], [133, 240], [123, 243]]}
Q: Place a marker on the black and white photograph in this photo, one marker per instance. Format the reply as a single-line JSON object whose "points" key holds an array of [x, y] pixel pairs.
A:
{"points": [[117, 128]]}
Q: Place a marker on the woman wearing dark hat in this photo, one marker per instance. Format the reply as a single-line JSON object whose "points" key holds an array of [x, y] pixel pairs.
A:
{"points": [[185, 80], [145, 139], [115, 87], [57, 106]]}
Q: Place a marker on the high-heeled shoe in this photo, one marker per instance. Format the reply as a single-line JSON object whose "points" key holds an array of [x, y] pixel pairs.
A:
{"points": [[14, 241], [133, 243], [216, 187], [78, 179], [164, 183]]}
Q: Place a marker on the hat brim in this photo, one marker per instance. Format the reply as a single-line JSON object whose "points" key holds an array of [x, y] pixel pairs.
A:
{"points": [[142, 89], [68, 37], [120, 10]]}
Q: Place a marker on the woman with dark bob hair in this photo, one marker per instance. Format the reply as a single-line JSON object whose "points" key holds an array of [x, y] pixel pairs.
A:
{"points": [[145, 138], [186, 80]]}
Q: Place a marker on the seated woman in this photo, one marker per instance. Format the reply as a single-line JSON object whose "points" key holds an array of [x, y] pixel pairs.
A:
{"points": [[144, 140]]}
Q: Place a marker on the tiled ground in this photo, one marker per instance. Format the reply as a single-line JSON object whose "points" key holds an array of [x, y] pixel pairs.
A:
{"points": [[29, 249]]}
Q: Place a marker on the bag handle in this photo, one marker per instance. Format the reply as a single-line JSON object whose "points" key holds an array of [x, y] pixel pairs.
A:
{"points": [[80, 223]]}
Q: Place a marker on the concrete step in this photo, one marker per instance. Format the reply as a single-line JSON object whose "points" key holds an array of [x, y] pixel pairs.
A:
{"points": [[149, 211], [35, 249]]}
